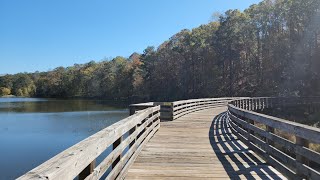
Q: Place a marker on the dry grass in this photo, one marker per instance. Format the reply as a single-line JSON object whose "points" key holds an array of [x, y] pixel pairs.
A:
{"points": [[288, 136]]}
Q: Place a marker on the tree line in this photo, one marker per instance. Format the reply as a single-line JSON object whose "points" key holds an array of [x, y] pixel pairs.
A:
{"points": [[269, 49]]}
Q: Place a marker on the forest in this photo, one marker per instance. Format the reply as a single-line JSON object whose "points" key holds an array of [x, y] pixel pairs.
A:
{"points": [[269, 49]]}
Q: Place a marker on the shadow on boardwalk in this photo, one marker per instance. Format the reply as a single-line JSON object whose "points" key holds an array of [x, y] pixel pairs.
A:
{"points": [[238, 161]]}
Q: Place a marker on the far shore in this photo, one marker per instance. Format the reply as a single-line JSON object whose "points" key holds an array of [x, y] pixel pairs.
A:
{"points": [[8, 96]]}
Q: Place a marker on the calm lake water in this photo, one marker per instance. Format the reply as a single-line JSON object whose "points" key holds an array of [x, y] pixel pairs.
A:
{"points": [[33, 130]]}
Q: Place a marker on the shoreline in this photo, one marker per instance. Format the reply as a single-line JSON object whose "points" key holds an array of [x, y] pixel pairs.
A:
{"points": [[8, 96]]}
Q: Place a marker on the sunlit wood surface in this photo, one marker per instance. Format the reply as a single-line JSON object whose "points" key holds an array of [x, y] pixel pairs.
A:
{"points": [[199, 145]]}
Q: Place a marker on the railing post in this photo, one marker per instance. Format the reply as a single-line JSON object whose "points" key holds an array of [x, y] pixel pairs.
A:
{"points": [[269, 130], [114, 146], [131, 132], [250, 122], [132, 110], [87, 171], [268, 141], [172, 111], [300, 159]]}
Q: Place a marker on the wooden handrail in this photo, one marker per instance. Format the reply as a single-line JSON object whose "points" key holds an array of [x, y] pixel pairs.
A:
{"points": [[126, 137], [259, 132], [181, 108]]}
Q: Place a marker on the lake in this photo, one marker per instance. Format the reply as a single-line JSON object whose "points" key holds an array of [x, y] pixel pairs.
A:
{"points": [[33, 130]]}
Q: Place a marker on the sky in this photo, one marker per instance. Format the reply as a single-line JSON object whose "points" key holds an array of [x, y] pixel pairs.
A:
{"points": [[40, 35]]}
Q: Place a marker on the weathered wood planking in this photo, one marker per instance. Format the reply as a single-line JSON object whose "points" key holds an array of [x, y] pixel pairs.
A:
{"points": [[199, 145]]}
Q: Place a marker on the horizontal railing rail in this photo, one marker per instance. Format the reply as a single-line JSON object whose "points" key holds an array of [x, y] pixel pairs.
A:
{"points": [[126, 138], [181, 108], [268, 135], [270, 102], [176, 109]]}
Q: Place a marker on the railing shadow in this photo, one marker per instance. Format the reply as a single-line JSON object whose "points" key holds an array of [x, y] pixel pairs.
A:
{"points": [[237, 159]]}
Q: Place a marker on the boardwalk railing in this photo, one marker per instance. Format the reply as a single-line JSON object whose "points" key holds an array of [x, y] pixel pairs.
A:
{"points": [[165, 108], [176, 109], [264, 134], [181, 108], [126, 138]]}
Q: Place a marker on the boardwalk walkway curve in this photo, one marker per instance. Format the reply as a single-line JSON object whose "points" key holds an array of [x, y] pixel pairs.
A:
{"points": [[199, 145]]}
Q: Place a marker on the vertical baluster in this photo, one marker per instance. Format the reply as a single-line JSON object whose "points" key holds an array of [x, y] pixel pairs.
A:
{"points": [[243, 101], [242, 104], [261, 103], [255, 104], [247, 102]]}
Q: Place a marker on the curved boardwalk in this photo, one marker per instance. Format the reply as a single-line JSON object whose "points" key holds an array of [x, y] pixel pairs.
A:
{"points": [[199, 145]]}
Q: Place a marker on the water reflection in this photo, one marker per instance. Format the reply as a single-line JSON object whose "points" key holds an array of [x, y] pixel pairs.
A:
{"points": [[55, 105], [33, 131]]}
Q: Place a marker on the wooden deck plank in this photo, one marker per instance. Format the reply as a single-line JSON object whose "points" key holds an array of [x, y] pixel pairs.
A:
{"points": [[199, 145]]}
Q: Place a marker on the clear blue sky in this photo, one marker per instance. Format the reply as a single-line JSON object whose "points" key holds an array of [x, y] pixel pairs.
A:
{"points": [[41, 35]]}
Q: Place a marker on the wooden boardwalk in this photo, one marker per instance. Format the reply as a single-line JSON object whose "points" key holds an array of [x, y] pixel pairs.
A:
{"points": [[199, 145]]}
